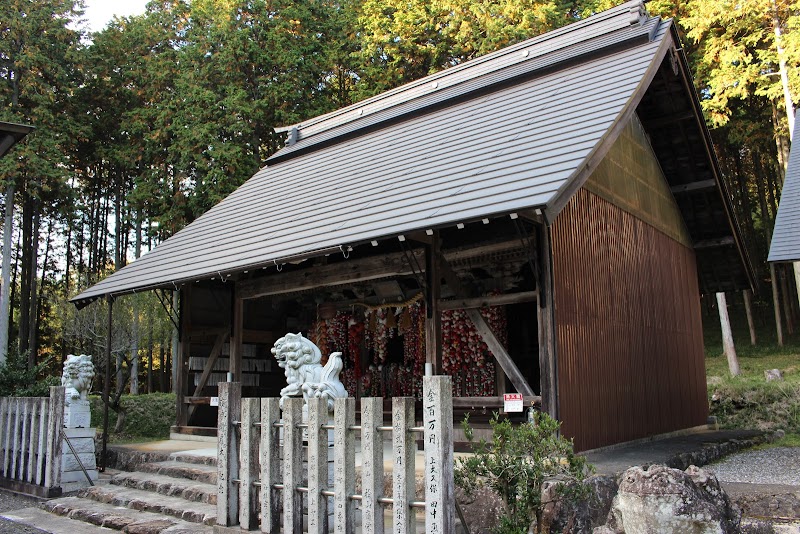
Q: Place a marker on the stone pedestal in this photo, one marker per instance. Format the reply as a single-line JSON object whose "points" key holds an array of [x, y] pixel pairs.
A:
{"points": [[77, 418]]}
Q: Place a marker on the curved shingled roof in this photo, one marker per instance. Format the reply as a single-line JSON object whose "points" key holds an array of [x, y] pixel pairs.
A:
{"points": [[517, 129]]}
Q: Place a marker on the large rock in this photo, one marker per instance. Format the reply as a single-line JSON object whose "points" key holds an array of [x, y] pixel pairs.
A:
{"points": [[665, 500]]}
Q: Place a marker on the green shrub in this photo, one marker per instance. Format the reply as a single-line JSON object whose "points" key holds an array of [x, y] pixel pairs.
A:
{"points": [[146, 416], [16, 380], [516, 463]]}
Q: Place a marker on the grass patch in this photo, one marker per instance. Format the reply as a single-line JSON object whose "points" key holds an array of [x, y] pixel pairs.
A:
{"points": [[147, 417], [748, 400]]}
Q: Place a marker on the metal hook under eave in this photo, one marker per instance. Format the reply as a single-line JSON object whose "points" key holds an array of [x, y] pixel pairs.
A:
{"points": [[222, 277], [345, 253], [175, 285], [279, 267]]}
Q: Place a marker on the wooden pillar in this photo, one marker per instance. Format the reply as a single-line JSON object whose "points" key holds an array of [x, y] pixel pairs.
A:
{"points": [[292, 465], [235, 361], [433, 316], [270, 465], [372, 460], [776, 304], [344, 466], [748, 308], [55, 422], [107, 385], [404, 451], [248, 460], [727, 335], [317, 466], [181, 358], [548, 369], [787, 305]]}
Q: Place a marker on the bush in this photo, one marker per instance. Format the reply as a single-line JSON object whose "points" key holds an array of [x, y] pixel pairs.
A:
{"points": [[146, 416], [16, 380], [517, 462], [761, 406]]}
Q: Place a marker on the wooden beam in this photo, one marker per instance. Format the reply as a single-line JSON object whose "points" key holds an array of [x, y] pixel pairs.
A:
{"points": [[490, 300], [433, 316], [357, 270], [216, 350], [776, 303], [548, 365], [694, 186], [500, 354], [492, 402], [235, 361]]}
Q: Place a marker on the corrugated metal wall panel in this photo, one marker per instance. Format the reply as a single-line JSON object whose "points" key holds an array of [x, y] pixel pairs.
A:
{"points": [[628, 327]]}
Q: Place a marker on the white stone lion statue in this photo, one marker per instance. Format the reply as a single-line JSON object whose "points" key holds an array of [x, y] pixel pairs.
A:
{"points": [[301, 360], [77, 376]]}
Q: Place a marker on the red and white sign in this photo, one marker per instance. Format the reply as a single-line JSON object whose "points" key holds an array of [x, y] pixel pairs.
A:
{"points": [[512, 402]]}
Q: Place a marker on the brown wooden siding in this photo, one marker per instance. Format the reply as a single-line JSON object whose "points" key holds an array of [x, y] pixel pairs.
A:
{"points": [[628, 327]]}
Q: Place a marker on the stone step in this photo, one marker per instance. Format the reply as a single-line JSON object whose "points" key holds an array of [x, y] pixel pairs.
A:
{"points": [[118, 518], [190, 490], [136, 499], [54, 524], [178, 469]]}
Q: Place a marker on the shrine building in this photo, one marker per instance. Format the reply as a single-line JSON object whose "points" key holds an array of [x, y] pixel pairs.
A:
{"points": [[543, 220]]}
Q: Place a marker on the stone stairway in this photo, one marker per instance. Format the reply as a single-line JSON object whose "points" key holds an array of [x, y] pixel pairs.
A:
{"points": [[166, 493]]}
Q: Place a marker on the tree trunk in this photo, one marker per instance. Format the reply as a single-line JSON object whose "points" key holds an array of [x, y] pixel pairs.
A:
{"points": [[25, 274], [5, 291], [776, 304], [727, 335]]}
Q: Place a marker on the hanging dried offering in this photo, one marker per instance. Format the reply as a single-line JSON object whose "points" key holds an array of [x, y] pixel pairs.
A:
{"points": [[405, 321], [372, 321], [391, 320]]}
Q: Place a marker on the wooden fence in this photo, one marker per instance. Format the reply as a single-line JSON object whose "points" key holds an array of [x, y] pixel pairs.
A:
{"points": [[30, 443], [262, 465]]}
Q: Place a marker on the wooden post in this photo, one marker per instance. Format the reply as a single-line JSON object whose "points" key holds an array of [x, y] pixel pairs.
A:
{"points": [[55, 422], [404, 449], [317, 466], [292, 466], [787, 304], [107, 384], [548, 368], [748, 308], [5, 424], [270, 466], [371, 465], [433, 315], [727, 335], [235, 361], [230, 397], [776, 304], [181, 358], [41, 446], [344, 465], [248, 464], [437, 419]]}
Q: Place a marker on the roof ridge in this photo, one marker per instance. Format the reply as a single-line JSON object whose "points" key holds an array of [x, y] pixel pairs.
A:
{"points": [[629, 13]]}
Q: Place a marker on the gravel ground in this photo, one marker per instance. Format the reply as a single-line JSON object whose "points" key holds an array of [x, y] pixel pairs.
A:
{"points": [[12, 501], [779, 465]]}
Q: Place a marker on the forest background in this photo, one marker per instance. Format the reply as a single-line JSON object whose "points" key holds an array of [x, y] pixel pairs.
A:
{"points": [[142, 127]]}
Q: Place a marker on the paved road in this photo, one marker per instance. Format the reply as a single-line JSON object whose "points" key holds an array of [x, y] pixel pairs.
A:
{"points": [[12, 501]]}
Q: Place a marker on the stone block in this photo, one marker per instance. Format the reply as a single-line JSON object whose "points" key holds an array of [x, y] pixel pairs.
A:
{"points": [[69, 463], [77, 414]]}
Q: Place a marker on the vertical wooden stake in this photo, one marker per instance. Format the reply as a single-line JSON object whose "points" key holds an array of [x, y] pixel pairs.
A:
{"points": [[787, 304], [270, 466], [317, 466], [727, 335], [404, 451], [235, 361], [248, 460], [748, 308], [371, 465], [437, 419], [292, 466], [230, 397], [55, 422], [344, 465], [548, 363], [433, 316], [776, 304]]}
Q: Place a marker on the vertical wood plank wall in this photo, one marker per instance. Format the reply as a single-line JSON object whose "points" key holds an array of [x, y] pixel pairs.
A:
{"points": [[628, 326]]}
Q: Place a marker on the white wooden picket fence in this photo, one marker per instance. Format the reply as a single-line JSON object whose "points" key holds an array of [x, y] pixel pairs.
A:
{"points": [[263, 463], [30, 443]]}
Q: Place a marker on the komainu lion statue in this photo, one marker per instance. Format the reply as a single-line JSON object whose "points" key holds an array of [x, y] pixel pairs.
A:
{"points": [[301, 360], [77, 376]]}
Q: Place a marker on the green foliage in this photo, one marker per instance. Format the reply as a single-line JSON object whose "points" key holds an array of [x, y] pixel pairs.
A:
{"points": [[517, 462], [17, 380], [146, 416]]}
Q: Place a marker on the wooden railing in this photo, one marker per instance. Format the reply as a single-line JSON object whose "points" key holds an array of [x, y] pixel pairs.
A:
{"points": [[30, 443], [265, 455]]}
